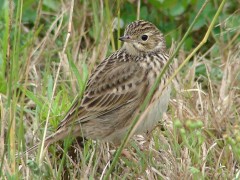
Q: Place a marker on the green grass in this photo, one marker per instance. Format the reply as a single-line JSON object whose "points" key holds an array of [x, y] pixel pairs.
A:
{"points": [[42, 72]]}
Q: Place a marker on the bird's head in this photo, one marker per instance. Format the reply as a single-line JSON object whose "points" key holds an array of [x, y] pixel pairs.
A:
{"points": [[142, 37]]}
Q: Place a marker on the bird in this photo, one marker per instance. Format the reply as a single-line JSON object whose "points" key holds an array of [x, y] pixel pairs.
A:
{"points": [[117, 88]]}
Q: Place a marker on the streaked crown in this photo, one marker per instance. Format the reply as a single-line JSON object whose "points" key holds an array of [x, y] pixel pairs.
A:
{"points": [[143, 37]]}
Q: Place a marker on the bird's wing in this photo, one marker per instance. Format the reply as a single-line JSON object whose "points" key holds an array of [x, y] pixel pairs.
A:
{"points": [[113, 84]]}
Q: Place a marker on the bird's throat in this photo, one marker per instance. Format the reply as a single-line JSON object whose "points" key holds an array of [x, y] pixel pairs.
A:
{"points": [[131, 49]]}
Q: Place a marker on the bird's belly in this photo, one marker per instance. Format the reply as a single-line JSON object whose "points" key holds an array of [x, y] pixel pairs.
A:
{"points": [[154, 113], [145, 124]]}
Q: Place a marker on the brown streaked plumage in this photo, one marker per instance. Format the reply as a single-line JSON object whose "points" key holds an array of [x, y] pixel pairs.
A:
{"points": [[118, 87]]}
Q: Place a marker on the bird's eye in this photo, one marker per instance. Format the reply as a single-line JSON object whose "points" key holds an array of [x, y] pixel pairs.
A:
{"points": [[144, 37]]}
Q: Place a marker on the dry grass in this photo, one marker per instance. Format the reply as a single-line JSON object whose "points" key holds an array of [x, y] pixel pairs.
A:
{"points": [[198, 139]]}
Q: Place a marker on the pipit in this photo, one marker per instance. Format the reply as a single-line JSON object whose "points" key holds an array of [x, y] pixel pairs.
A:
{"points": [[117, 88]]}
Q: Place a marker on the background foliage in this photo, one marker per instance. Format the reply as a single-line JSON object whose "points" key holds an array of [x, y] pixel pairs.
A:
{"points": [[201, 138]]}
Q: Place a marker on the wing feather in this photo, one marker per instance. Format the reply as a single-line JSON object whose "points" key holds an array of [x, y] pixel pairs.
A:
{"points": [[113, 84]]}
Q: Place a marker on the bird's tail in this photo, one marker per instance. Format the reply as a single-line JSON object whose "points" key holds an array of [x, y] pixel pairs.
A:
{"points": [[60, 134]]}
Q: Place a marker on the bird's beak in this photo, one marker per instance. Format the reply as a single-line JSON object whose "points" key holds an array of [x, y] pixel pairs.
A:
{"points": [[125, 38]]}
